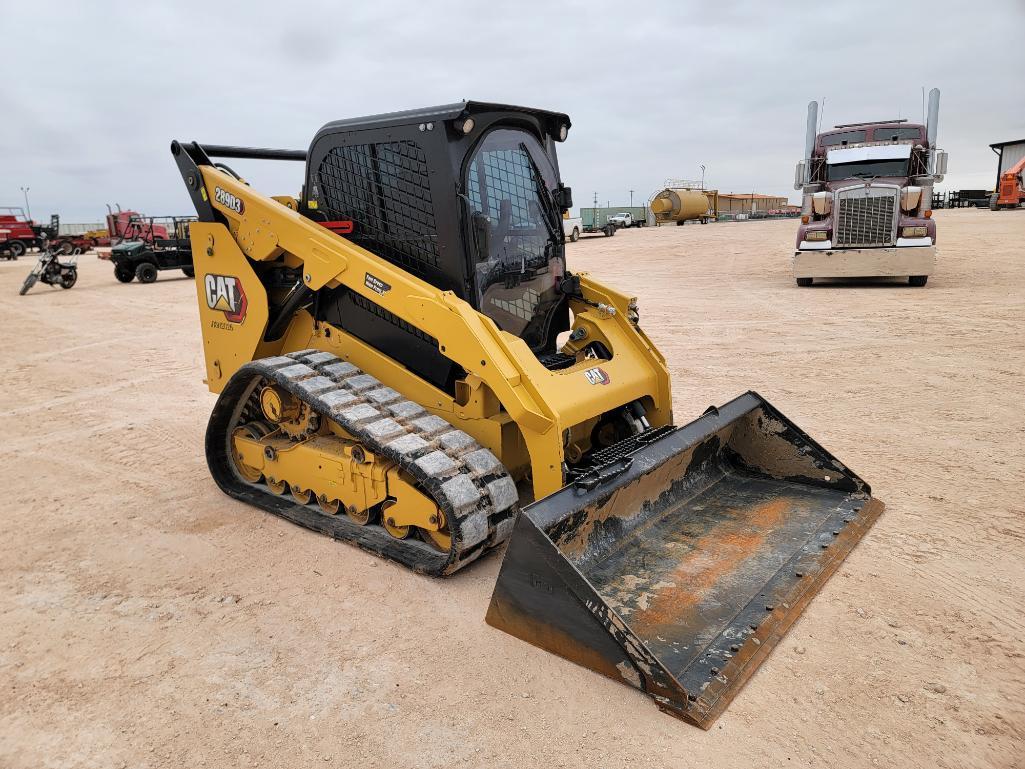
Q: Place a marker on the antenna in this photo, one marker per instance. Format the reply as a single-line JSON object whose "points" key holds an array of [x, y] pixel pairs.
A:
{"points": [[923, 103], [821, 113]]}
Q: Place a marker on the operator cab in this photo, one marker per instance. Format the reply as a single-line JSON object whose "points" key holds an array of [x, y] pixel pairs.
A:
{"points": [[399, 177]]}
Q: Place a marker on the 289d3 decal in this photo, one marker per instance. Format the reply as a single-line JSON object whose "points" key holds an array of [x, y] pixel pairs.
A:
{"points": [[228, 200]]}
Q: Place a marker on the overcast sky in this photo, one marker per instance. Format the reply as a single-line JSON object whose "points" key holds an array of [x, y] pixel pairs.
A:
{"points": [[93, 93]]}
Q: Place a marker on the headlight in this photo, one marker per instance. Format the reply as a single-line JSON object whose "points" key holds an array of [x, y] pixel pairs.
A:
{"points": [[816, 235], [912, 232]]}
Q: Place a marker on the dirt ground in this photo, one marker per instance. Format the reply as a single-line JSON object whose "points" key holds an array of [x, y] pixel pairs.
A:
{"points": [[146, 620]]}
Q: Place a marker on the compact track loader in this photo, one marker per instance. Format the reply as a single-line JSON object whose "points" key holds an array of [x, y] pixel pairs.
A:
{"points": [[405, 362]]}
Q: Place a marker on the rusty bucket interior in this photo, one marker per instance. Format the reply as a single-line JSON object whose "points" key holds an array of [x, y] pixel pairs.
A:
{"points": [[678, 563]]}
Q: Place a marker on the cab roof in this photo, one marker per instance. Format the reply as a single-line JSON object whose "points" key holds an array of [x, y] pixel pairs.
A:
{"points": [[444, 112]]}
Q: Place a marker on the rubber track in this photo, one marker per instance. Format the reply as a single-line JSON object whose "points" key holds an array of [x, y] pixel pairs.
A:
{"points": [[468, 482]]}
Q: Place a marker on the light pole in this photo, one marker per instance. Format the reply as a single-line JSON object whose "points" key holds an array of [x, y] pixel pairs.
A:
{"points": [[631, 198], [702, 177], [24, 191]]}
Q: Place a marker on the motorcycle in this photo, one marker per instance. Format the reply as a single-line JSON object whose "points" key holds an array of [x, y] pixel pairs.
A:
{"points": [[52, 271]]}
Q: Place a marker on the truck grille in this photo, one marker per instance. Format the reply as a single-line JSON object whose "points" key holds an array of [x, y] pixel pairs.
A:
{"points": [[866, 220]]}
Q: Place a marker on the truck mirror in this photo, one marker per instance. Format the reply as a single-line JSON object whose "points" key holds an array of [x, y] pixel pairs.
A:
{"points": [[564, 197], [939, 164], [800, 174]]}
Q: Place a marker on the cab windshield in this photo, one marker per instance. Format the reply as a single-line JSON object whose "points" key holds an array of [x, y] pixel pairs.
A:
{"points": [[867, 169], [518, 248]]}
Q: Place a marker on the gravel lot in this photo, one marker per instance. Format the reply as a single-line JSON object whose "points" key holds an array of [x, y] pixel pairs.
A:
{"points": [[146, 620]]}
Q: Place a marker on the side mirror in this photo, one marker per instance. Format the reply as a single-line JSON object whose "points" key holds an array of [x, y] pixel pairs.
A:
{"points": [[938, 164], [801, 174], [480, 226], [563, 197]]}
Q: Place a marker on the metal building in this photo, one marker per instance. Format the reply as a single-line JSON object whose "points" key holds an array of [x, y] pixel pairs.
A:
{"points": [[1008, 154], [750, 202]]}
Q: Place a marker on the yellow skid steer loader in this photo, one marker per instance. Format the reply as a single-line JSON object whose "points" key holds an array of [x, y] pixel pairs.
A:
{"points": [[406, 362]]}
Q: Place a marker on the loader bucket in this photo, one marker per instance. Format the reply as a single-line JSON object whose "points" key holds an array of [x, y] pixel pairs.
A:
{"points": [[679, 562]]}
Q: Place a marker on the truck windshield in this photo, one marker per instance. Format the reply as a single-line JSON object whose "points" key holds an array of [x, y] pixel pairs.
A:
{"points": [[509, 180], [867, 169]]}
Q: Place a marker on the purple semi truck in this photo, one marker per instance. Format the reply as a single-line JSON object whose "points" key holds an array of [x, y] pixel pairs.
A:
{"points": [[867, 196]]}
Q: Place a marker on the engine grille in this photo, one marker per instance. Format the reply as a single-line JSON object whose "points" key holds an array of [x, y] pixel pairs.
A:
{"points": [[866, 220]]}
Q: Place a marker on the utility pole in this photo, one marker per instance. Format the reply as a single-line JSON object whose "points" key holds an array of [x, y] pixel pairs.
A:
{"points": [[702, 177], [631, 198], [24, 191]]}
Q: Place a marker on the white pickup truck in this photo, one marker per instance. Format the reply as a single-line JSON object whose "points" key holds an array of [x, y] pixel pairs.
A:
{"points": [[622, 219], [572, 227]]}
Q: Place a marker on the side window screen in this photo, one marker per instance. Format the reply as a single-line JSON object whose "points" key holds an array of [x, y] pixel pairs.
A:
{"points": [[385, 190], [506, 177]]}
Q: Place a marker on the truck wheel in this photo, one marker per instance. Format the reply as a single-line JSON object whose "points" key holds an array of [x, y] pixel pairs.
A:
{"points": [[575, 235], [146, 272], [190, 272], [804, 282], [993, 202], [124, 274], [17, 248], [66, 247], [918, 280]]}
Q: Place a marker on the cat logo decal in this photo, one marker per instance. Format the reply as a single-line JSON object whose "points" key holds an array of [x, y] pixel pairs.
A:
{"points": [[225, 293]]}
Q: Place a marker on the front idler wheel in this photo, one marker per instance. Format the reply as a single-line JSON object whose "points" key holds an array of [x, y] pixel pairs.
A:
{"points": [[247, 471]]}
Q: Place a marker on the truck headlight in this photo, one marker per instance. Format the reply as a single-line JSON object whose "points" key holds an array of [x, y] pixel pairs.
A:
{"points": [[912, 232], [816, 235]]}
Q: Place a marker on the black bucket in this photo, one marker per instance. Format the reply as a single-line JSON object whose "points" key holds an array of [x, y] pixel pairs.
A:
{"points": [[679, 564]]}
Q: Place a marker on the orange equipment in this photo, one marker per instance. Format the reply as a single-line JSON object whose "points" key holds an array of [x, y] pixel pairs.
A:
{"points": [[1010, 192]]}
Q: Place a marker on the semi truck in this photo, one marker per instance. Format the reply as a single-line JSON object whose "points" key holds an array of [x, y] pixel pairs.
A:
{"points": [[867, 194]]}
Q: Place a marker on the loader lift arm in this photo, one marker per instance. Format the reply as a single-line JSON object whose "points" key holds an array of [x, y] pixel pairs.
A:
{"points": [[266, 228]]}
